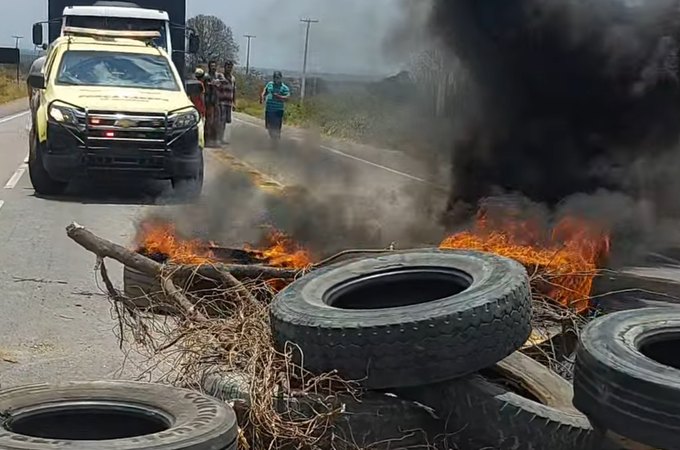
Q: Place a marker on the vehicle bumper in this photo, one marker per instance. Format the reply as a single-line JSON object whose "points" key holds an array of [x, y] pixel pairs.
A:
{"points": [[66, 157]]}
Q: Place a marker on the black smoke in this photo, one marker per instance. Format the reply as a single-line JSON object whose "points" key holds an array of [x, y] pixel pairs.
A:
{"points": [[571, 95]]}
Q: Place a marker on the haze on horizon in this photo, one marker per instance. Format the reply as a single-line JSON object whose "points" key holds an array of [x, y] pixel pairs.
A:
{"points": [[348, 39]]}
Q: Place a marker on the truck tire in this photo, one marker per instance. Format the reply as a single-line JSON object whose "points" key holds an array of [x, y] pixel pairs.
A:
{"points": [[190, 187], [406, 318], [374, 420], [43, 183], [627, 375], [517, 405], [113, 414]]}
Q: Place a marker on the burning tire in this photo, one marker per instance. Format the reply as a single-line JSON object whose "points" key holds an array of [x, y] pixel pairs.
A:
{"points": [[517, 405], [121, 415], [627, 375], [407, 318]]}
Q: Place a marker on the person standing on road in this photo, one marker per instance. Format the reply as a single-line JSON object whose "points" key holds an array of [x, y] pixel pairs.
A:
{"points": [[227, 101], [199, 99], [275, 94], [211, 104]]}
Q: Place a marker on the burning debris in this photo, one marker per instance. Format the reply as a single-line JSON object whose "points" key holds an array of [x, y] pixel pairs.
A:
{"points": [[563, 261], [159, 240], [570, 96]]}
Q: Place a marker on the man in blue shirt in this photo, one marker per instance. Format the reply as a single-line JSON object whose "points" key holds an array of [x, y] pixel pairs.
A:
{"points": [[275, 95]]}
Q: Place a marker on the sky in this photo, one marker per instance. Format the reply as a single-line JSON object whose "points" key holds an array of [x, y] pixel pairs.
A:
{"points": [[349, 37]]}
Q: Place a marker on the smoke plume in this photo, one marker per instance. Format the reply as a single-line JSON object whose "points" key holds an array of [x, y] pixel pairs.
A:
{"points": [[571, 94], [576, 107]]}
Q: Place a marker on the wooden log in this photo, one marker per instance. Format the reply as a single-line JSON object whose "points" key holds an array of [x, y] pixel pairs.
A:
{"points": [[103, 248], [216, 271]]}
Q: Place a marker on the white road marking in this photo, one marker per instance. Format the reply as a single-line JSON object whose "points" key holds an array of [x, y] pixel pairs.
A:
{"points": [[16, 176], [355, 158], [13, 116], [1, 203]]}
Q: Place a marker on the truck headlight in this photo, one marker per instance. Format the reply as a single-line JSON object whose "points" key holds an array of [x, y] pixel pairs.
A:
{"points": [[185, 119], [64, 114]]}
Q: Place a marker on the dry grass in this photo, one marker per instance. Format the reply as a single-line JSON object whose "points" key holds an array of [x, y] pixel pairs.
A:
{"points": [[9, 88], [236, 339]]}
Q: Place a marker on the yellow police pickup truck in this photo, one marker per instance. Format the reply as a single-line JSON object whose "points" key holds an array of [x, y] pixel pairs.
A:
{"points": [[111, 103]]}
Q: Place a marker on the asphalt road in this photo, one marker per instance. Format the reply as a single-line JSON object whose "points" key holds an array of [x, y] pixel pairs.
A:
{"points": [[55, 323]]}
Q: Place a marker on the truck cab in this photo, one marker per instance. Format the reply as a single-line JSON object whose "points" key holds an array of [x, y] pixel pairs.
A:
{"points": [[120, 18], [112, 103], [167, 17]]}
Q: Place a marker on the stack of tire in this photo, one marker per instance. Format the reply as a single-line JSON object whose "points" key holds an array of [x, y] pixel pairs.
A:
{"points": [[431, 329], [107, 415], [627, 377]]}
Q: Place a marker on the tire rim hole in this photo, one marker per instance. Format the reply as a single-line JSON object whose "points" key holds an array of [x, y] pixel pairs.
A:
{"points": [[87, 421], [397, 288], [663, 349]]}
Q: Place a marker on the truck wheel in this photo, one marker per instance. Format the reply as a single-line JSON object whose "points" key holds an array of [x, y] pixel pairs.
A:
{"points": [[517, 405], [406, 318], [41, 180], [113, 414], [190, 187], [627, 375]]}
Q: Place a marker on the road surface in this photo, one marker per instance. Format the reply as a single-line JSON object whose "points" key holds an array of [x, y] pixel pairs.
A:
{"points": [[55, 322]]}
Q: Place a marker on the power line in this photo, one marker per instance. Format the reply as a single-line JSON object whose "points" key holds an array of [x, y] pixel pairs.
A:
{"points": [[309, 23], [249, 37]]}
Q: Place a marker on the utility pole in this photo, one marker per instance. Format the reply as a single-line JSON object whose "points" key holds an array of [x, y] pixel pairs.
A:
{"points": [[249, 37], [309, 22], [16, 45]]}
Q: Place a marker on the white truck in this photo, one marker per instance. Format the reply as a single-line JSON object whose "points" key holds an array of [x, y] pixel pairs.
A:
{"points": [[168, 17]]}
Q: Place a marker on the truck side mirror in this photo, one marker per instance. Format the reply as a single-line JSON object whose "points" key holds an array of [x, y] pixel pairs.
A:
{"points": [[194, 43], [36, 80], [37, 34]]}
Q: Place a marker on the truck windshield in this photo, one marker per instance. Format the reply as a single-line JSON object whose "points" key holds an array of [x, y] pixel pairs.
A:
{"points": [[121, 24], [114, 69]]}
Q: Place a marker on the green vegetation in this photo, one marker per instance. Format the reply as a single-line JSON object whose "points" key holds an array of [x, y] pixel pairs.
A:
{"points": [[360, 114]]}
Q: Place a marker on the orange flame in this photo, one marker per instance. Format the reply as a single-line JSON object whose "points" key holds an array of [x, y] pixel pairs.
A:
{"points": [[565, 261], [158, 237], [282, 252]]}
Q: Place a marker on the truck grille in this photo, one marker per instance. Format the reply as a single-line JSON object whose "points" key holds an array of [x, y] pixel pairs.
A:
{"points": [[114, 130]]}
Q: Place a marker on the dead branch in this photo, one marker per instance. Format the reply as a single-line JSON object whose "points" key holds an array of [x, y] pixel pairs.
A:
{"points": [[103, 248], [216, 271]]}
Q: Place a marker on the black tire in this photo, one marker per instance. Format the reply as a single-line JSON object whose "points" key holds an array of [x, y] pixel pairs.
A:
{"points": [[454, 335], [480, 411], [377, 421], [43, 183], [106, 415], [190, 187], [622, 390]]}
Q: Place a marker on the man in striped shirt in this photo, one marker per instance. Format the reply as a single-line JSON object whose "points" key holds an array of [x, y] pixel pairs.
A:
{"points": [[275, 94], [227, 101]]}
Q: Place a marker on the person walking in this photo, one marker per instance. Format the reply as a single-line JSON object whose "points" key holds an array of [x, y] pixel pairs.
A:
{"points": [[275, 95], [227, 101]]}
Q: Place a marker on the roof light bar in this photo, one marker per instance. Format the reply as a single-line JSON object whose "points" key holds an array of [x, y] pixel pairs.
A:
{"points": [[131, 34]]}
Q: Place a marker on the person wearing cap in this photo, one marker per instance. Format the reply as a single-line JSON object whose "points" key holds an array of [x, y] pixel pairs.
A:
{"points": [[199, 100], [275, 95]]}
